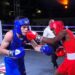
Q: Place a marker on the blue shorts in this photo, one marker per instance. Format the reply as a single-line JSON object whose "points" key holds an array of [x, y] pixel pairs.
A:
{"points": [[14, 66]]}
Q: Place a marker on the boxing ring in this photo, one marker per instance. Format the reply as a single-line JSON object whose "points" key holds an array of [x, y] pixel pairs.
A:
{"points": [[39, 29]]}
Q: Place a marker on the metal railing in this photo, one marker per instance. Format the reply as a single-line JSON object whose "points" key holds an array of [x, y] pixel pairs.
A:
{"points": [[38, 28]]}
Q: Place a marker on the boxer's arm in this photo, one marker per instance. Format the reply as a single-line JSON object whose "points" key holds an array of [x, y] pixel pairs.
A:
{"points": [[55, 39], [47, 33], [40, 48], [31, 36], [5, 43], [35, 45], [46, 49]]}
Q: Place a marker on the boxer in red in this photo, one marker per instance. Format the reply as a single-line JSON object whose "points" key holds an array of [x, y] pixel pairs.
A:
{"points": [[68, 40]]}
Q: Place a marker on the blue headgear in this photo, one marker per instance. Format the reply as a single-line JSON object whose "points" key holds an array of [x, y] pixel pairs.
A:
{"points": [[19, 23]]}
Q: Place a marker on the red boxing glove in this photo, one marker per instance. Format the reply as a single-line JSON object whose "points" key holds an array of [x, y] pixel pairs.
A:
{"points": [[60, 52], [31, 35]]}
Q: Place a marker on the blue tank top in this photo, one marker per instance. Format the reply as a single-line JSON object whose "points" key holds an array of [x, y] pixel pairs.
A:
{"points": [[16, 42]]}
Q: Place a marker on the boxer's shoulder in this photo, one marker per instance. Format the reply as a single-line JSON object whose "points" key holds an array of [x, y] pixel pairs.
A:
{"points": [[9, 35]]}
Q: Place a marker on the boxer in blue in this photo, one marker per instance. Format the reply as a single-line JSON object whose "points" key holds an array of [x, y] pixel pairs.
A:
{"points": [[12, 47]]}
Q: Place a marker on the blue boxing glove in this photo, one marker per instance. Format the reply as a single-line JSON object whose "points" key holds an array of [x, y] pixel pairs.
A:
{"points": [[47, 49], [17, 53]]}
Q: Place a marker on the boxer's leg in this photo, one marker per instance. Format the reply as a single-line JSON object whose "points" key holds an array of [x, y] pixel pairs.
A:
{"points": [[11, 67], [21, 66]]}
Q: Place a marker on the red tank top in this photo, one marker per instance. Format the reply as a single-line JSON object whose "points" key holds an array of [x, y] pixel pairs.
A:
{"points": [[70, 44]]}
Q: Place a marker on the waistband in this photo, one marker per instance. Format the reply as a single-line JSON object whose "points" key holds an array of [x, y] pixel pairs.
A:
{"points": [[71, 56]]}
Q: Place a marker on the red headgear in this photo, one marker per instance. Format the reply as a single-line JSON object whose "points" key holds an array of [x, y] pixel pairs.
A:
{"points": [[57, 26]]}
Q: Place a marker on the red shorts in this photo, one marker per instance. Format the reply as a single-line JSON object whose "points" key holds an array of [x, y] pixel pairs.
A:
{"points": [[67, 67]]}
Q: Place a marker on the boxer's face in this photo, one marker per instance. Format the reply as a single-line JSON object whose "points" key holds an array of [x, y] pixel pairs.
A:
{"points": [[24, 29]]}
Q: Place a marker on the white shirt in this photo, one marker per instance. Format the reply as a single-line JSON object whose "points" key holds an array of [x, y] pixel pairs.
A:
{"points": [[48, 33]]}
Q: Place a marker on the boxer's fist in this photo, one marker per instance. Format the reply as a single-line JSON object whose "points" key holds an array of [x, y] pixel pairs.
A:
{"points": [[60, 51], [31, 35], [17, 53], [47, 49]]}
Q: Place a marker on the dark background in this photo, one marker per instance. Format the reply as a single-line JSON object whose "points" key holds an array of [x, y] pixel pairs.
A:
{"points": [[9, 9]]}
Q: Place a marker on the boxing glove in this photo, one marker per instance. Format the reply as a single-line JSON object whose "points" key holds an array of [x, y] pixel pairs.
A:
{"points": [[17, 53], [46, 49], [31, 35], [60, 51]]}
